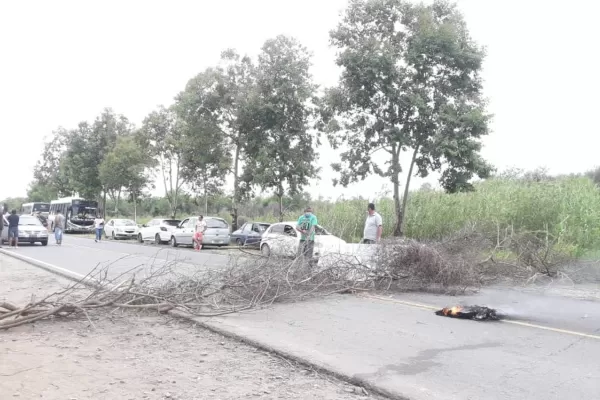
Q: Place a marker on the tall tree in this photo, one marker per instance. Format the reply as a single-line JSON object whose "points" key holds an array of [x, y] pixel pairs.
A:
{"points": [[162, 135], [87, 147], [281, 138], [125, 167], [221, 97], [410, 85], [49, 175], [206, 158]]}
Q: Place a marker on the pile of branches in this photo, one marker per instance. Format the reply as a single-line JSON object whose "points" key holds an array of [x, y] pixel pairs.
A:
{"points": [[247, 282]]}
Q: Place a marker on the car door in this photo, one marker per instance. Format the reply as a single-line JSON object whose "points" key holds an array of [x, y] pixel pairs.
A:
{"points": [[290, 241], [147, 230], [179, 232], [254, 234], [273, 238], [109, 228]]}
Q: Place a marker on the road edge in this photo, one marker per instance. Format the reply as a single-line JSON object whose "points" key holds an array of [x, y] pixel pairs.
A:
{"points": [[368, 386]]}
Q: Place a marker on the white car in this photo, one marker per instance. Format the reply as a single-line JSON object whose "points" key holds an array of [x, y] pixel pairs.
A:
{"points": [[31, 230], [158, 230], [121, 228], [282, 239]]}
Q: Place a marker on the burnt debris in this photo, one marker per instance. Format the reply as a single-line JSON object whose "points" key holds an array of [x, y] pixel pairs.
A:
{"points": [[478, 313]]}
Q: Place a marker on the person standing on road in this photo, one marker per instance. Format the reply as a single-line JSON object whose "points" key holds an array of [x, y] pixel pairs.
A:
{"points": [[99, 226], [199, 233], [306, 226], [13, 229], [59, 227], [373, 226]]}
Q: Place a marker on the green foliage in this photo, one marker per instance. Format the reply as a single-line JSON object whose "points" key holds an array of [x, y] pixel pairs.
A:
{"points": [[49, 174], [87, 146], [410, 82], [125, 167], [283, 148], [162, 135]]}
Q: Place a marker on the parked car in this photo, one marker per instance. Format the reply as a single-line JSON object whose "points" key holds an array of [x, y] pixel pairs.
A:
{"points": [[121, 228], [158, 230], [31, 230], [282, 239], [249, 234], [217, 232]]}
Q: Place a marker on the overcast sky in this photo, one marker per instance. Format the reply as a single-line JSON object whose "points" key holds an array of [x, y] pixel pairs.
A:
{"points": [[64, 61]]}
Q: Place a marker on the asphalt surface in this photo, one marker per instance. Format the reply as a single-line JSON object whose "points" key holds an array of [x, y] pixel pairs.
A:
{"points": [[82, 255], [549, 349]]}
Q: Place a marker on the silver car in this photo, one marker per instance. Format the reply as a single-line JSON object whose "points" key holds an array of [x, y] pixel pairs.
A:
{"points": [[31, 230], [217, 232]]}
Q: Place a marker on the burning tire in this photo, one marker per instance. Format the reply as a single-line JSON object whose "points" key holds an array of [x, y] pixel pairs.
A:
{"points": [[478, 313]]}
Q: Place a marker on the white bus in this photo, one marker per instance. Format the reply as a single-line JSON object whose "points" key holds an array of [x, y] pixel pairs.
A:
{"points": [[79, 213], [35, 208]]}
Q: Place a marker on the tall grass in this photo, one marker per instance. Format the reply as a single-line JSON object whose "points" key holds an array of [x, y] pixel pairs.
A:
{"points": [[567, 208]]}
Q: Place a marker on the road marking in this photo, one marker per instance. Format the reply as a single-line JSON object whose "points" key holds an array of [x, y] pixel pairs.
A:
{"points": [[507, 321], [43, 264]]}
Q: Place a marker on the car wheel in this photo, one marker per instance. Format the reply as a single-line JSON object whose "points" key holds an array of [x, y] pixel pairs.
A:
{"points": [[173, 241], [139, 238], [44, 243], [239, 242], [265, 250], [157, 239]]}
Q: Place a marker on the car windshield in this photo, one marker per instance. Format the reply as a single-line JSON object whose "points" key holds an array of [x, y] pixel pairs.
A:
{"points": [[29, 221], [171, 222], [124, 222], [216, 223]]}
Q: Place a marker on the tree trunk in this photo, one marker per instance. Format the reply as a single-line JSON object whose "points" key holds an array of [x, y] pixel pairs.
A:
{"points": [[117, 198], [405, 196], [205, 199], [236, 189], [134, 207], [280, 207], [396, 169], [104, 206]]}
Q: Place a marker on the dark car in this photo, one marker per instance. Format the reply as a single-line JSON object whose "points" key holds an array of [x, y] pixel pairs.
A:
{"points": [[249, 234]]}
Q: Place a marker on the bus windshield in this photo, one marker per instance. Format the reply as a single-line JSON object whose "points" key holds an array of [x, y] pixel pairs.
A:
{"points": [[41, 207]]}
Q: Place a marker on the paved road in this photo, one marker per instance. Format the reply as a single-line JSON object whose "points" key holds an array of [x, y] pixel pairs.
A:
{"points": [[81, 255], [396, 343]]}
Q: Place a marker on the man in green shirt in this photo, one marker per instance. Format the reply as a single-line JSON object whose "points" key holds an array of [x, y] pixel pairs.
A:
{"points": [[306, 226]]}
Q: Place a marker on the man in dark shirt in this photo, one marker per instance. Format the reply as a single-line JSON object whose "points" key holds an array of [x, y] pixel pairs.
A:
{"points": [[13, 229]]}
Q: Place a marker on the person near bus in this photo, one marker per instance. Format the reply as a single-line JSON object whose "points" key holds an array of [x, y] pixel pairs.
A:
{"points": [[59, 227], [13, 229], [99, 226]]}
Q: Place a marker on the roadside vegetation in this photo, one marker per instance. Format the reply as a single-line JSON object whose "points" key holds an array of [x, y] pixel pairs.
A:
{"points": [[409, 95]]}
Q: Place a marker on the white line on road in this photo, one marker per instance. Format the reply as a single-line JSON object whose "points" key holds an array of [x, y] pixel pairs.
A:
{"points": [[44, 265]]}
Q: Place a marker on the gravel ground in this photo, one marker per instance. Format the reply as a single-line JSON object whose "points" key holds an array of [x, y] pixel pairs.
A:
{"points": [[127, 355]]}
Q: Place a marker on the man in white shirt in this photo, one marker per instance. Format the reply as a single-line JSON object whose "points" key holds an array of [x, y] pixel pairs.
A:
{"points": [[199, 234], [99, 226], [373, 226]]}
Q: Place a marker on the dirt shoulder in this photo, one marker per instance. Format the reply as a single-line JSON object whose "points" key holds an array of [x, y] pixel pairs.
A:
{"points": [[128, 355]]}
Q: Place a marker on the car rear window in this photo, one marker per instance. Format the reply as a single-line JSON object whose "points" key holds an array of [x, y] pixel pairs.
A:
{"points": [[171, 222], [216, 223], [27, 220]]}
